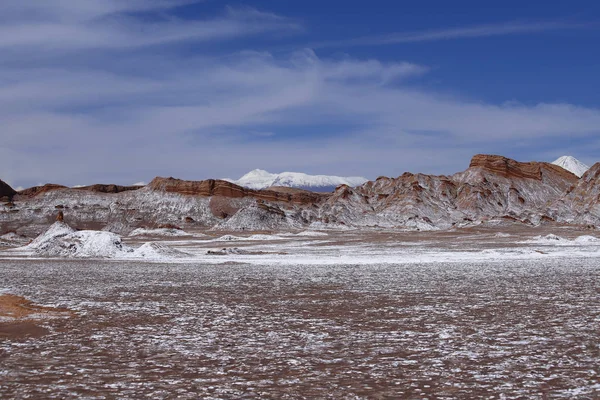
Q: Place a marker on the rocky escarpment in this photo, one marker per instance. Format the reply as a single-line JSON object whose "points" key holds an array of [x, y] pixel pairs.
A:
{"points": [[215, 187], [39, 190], [496, 186], [98, 188], [108, 188], [508, 168], [6, 192], [492, 187]]}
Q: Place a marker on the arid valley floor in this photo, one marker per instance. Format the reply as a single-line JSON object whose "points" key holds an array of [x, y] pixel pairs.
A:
{"points": [[480, 313]]}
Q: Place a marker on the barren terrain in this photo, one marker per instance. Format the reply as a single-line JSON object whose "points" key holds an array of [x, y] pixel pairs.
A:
{"points": [[318, 315]]}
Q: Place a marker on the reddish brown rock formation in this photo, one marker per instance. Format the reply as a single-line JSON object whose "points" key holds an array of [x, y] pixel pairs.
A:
{"points": [[222, 207], [491, 187], [6, 192], [168, 226], [37, 190], [108, 188], [514, 169], [60, 217], [214, 187], [98, 188]]}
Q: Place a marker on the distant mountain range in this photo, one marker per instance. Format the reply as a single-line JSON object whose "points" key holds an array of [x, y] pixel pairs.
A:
{"points": [[260, 179], [571, 164]]}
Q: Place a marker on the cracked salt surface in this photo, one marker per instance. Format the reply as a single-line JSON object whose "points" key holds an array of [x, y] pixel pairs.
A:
{"points": [[470, 329]]}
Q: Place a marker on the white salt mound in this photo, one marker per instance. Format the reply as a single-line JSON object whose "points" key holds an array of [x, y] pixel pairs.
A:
{"points": [[158, 232], [263, 237], [501, 235], [312, 233], [60, 240], [587, 239], [552, 239], [153, 250], [57, 230], [228, 238]]}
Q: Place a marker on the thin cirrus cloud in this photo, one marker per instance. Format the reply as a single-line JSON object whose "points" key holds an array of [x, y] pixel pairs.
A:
{"points": [[86, 114], [478, 31], [74, 25]]}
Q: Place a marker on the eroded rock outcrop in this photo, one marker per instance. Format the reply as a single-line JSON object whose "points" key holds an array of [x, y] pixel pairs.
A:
{"points": [[509, 168], [216, 187], [6, 192], [108, 188], [492, 187], [38, 190], [98, 188]]}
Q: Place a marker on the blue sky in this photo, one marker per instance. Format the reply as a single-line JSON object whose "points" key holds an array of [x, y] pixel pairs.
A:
{"points": [[124, 90]]}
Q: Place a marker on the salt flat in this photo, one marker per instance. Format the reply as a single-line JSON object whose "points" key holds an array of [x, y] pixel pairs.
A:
{"points": [[497, 328]]}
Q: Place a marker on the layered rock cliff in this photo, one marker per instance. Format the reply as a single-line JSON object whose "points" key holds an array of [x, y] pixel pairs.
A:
{"points": [[492, 187], [215, 187]]}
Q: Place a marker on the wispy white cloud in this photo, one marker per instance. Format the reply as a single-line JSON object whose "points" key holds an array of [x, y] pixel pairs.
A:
{"points": [[465, 32], [77, 25], [68, 11], [91, 117]]}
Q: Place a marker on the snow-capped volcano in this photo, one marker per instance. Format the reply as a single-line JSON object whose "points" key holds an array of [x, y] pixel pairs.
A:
{"points": [[571, 164], [260, 179]]}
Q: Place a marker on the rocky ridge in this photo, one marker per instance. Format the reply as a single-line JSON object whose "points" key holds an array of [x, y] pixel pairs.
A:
{"points": [[216, 187], [493, 189]]}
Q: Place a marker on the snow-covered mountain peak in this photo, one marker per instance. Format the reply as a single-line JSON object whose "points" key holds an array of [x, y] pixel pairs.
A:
{"points": [[258, 174], [261, 179], [571, 164]]}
